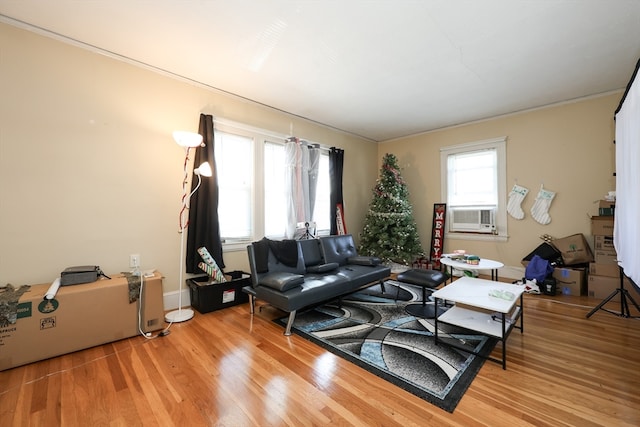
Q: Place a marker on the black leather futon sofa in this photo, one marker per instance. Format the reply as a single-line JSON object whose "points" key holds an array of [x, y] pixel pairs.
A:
{"points": [[295, 274]]}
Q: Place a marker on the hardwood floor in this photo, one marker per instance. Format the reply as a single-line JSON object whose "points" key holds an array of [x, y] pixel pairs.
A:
{"points": [[227, 368]]}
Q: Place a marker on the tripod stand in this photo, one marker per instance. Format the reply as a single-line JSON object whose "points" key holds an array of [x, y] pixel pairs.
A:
{"points": [[624, 305], [307, 234]]}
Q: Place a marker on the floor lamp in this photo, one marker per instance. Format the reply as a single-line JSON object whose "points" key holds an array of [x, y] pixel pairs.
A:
{"points": [[188, 140]]}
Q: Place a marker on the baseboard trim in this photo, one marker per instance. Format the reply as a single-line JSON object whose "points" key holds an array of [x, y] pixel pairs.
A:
{"points": [[171, 300], [511, 272]]}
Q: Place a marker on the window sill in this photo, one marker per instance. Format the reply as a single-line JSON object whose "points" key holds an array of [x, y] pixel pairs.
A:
{"points": [[235, 246], [477, 237]]}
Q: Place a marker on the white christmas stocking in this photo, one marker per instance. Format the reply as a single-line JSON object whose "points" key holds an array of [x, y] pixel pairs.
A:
{"points": [[540, 209], [516, 196]]}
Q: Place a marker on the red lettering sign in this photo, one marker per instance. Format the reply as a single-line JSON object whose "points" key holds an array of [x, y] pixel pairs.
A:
{"points": [[437, 236]]}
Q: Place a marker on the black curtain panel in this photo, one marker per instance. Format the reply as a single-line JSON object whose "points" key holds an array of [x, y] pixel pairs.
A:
{"points": [[336, 161], [204, 225]]}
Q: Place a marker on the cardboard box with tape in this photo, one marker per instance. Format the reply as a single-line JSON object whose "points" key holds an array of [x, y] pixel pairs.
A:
{"points": [[570, 281], [602, 225], [78, 317]]}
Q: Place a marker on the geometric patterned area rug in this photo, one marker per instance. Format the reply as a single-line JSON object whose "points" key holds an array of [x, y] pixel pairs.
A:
{"points": [[371, 329]]}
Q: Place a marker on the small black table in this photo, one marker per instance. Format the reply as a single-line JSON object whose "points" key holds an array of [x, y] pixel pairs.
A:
{"points": [[427, 279]]}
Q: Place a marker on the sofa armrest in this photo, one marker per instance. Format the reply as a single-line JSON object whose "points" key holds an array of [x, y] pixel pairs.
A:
{"points": [[281, 281]]}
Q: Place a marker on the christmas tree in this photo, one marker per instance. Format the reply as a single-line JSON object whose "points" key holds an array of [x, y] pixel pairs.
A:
{"points": [[390, 231]]}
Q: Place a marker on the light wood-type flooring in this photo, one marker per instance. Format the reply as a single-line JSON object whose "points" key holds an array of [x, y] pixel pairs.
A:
{"points": [[227, 368]]}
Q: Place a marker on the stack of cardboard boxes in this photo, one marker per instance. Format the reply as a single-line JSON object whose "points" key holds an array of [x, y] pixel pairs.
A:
{"points": [[570, 279], [604, 274]]}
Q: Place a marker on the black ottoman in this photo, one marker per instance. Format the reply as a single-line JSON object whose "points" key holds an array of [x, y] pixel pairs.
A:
{"points": [[427, 279]]}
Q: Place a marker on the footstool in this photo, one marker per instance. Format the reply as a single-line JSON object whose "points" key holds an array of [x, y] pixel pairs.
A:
{"points": [[427, 279]]}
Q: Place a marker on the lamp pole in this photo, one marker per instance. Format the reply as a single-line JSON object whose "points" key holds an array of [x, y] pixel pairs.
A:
{"points": [[187, 140]]}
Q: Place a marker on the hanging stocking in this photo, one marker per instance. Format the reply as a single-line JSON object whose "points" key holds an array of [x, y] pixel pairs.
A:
{"points": [[540, 209], [516, 196]]}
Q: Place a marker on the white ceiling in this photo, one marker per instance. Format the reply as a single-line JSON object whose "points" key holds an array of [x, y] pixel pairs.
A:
{"points": [[379, 69]]}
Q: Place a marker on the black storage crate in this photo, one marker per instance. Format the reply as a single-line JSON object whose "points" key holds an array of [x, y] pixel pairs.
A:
{"points": [[207, 296]]}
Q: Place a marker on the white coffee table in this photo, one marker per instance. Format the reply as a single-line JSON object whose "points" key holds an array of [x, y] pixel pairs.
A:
{"points": [[484, 264], [475, 309]]}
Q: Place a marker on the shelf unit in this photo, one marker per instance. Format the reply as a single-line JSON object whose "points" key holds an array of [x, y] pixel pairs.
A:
{"points": [[477, 311], [478, 321]]}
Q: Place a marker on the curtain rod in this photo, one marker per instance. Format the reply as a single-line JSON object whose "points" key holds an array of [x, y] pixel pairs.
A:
{"points": [[283, 137], [308, 143]]}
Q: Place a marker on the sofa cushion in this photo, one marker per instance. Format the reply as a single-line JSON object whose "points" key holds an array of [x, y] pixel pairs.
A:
{"points": [[322, 268], [360, 275], [311, 252], [364, 260], [314, 290], [338, 248], [281, 281], [284, 251]]}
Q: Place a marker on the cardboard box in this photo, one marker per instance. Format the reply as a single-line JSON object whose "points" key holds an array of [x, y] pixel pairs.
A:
{"points": [[606, 257], [602, 225], [600, 287], [207, 297], [574, 249], [608, 270], [570, 281], [80, 316], [605, 253], [603, 243]]}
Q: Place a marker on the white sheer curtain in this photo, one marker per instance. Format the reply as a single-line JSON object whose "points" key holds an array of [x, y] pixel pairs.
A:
{"points": [[301, 178], [626, 228]]}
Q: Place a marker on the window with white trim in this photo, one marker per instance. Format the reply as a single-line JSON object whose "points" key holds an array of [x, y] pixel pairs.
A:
{"points": [[250, 169], [474, 188], [235, 170]]}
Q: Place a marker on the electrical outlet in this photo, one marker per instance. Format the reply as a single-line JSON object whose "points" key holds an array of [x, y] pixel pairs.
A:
{"points": [[134, 260]]}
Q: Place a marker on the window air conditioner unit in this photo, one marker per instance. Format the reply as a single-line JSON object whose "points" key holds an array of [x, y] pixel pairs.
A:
{"points": [[473, 220]]}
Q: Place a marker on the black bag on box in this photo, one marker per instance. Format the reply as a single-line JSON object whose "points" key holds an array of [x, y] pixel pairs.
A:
{"points": [[548, 252], [81, 274]]}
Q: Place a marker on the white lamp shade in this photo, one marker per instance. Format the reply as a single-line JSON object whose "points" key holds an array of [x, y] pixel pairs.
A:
{"points": [[204, 169], [187, 139]]}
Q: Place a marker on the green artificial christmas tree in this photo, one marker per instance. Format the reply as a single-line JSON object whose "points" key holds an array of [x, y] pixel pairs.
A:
{"points": [[390, 232]]}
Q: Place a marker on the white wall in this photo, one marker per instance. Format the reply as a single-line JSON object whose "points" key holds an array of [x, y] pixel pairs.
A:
{"points": [[89, 172], [567, 147]]}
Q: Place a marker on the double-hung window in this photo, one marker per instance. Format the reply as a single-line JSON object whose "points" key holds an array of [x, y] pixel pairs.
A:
{"points": [[251, 178], [235, 171], [474, 188]]}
